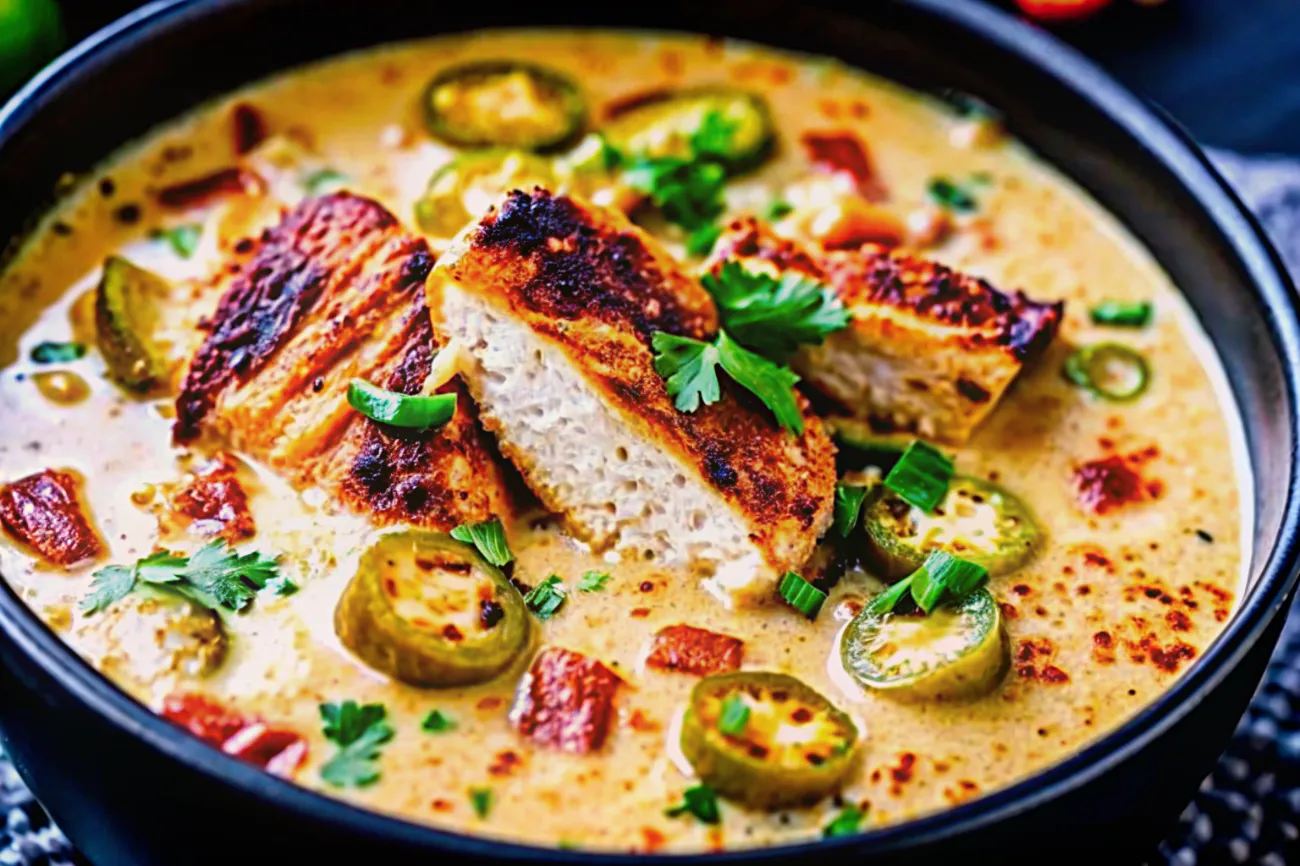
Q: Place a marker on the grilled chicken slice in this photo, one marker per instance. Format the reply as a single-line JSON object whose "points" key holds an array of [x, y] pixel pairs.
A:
{"points": [[335, 291], [555, 302], [929, 350]]}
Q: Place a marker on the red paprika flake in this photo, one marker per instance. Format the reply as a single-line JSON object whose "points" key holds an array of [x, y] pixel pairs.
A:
{"points": [[1103, 485]]}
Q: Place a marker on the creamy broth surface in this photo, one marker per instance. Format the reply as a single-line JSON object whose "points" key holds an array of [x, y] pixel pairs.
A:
{"points": [[1111, 611]]}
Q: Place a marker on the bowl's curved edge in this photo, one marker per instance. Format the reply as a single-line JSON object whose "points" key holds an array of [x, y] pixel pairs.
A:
{"points": [[1266, 599]]}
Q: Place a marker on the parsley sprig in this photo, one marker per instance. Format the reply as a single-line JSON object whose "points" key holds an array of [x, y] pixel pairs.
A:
{"points": [[774, 316], [215, 576], [690, 368], [359, 731]]}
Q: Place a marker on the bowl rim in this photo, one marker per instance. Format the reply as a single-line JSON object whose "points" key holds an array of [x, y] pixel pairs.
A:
{"points": [[1138, 120]]}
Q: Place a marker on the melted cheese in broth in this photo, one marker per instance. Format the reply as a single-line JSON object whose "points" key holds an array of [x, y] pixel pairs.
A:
{"points": [[1103, 619]]}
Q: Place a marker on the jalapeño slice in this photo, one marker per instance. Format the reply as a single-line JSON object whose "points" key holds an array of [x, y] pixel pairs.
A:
{"points": [[977, 521], [126, 315], [429, 611], [766, 739], [958, 651], [501, 103], [663, 124], [465, 187]]}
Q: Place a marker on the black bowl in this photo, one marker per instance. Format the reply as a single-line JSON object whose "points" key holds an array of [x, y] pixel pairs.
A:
{"points": [[130, 789]]}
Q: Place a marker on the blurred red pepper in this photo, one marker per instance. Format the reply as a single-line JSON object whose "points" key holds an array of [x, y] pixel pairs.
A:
{"points": [[1061, 10]]}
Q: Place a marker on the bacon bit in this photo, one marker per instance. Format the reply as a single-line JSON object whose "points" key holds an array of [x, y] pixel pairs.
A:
{"points": [[691, 650], [249, 127], [647, 586], [642, 723], [451, 633], [566, 701], [836, 152], [1108, 483], [227, 181], [44, 512], [651, 840], [278, 751], [505, 763], [214, 503], [440, 805]]}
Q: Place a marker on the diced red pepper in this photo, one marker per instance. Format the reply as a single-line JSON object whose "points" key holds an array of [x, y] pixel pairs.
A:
{"points": [[207, 720], [844, 152], [227, 181], [566, 701], [692, 650], [43, 511], [249, 127], [279, 751], [215, 503]]}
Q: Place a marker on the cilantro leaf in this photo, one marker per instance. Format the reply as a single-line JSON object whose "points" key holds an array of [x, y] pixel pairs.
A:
{"points": [[689, 368], [49, 352], [183, 239], [281, 585], [481, 801], [545, 599], [700, 801], [950, 195], [109, 585], [226, 575], [771, 383], [594, 581], [345, 723], [489, 538], [357, 764], [771, 316], [701, 241], [359, 731], [712, 140], [845, 823], [688, 191]]}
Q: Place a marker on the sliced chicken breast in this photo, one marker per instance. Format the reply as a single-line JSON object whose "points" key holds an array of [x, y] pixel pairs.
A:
{"points": [[555, 302], [930, 350], [335, 291]]}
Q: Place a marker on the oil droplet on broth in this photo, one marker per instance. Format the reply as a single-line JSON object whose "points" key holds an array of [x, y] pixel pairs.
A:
{"points": [[61, 387]]}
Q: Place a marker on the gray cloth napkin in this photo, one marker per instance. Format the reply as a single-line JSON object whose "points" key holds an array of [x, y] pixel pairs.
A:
{"points": [[1247, 810]]}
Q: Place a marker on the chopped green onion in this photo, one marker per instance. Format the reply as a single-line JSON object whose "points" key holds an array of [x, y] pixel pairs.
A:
{"points": [[944, 573], [57, 353], [889, 599], [950, 196], [436, 722], [400, 410], [481, 801], [489, 538], [1122, 314], [848, 506], [927, 589], [921, 476], [700, 801], [1109, 370], [778, 209], [802, 595], [734, 716], [845, 823], [700, 242], [594, 581], [547, 597], [183, 239]]}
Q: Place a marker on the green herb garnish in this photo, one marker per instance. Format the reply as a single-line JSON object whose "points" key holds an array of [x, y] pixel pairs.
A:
{"points": [[687, 191], [489, 538], [777, 210], [921, 476], [771, 316], [57, 353], [700, 242], [547, 597], [942, 574], [480, 799], [401, 410], [594, 581], [846, 823], [801, 595], [950, 196], [359, 731], [734, 716], [183, 239], [1122, 314], [700, 801], [436, 722], [690, 369], [215, 576], [848, 506]]}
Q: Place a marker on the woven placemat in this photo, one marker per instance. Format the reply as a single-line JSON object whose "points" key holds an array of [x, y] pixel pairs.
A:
{"points": [[1247, 810]]}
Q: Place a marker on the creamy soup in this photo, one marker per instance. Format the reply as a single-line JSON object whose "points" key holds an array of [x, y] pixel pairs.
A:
{"points": [[1139, 503]]}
